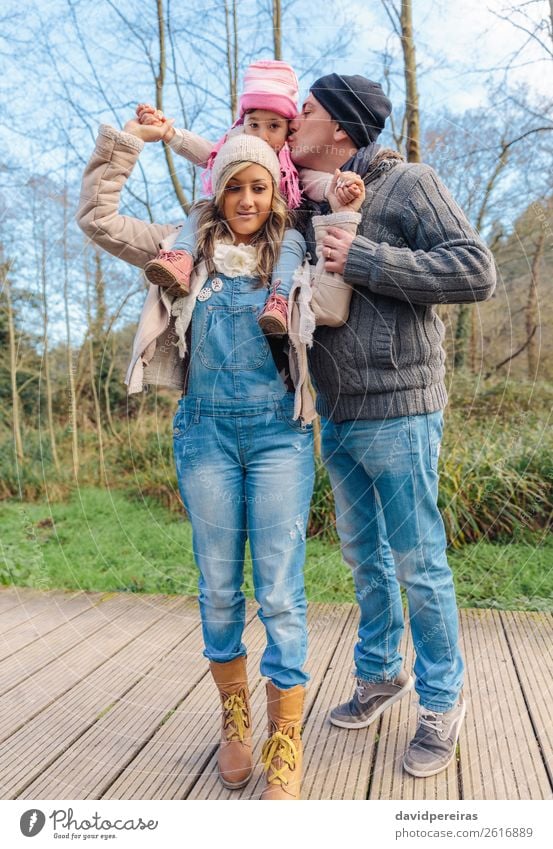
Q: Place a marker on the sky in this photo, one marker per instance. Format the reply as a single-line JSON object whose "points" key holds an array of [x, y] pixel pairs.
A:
{"points": [[466, 36]]}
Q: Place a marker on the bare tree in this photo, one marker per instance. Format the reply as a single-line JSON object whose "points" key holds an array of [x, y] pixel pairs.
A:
{"points": [[402, 22], [5, 270], [277, 29]]}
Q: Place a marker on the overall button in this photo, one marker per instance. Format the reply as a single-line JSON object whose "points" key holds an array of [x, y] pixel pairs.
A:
{"points": [[217, 284], [204, 294]]}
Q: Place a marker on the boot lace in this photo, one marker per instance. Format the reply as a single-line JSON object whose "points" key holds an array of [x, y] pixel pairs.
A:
{"points": [[172, 256], [430, 721], [236, 717], [282, 747]]}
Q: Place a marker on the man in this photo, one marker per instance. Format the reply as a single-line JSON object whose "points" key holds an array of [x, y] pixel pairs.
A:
{"points": [[380, 393]]}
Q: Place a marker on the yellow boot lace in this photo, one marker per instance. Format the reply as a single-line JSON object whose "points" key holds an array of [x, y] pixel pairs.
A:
{"points": [[279, 746], [236, 717]]}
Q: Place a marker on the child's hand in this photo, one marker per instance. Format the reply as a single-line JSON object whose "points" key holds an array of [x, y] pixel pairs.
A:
{"points": [[346, 192], [149, 116]]}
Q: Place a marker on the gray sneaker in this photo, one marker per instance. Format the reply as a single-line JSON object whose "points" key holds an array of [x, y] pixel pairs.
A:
{"points": [[433, 747], [370, 699]]}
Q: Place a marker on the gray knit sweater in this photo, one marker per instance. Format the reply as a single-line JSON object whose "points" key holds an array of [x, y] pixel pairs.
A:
{"points": [[414, 249]]}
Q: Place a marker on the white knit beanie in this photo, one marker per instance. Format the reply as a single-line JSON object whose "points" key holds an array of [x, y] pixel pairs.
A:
{"points": [[243, 148]]}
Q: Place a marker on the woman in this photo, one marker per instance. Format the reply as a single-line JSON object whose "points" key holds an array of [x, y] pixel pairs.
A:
{"points": [[244, 463]]}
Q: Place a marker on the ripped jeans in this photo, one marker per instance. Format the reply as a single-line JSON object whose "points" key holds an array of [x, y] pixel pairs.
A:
{"points": [[385, 482], [245, 471]]}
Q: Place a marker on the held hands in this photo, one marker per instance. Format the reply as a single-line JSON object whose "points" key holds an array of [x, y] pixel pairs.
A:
{"points": [[346, 192], [150, 125]]}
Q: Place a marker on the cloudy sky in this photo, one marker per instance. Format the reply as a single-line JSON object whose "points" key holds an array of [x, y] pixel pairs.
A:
{"points": [[457, 42]]}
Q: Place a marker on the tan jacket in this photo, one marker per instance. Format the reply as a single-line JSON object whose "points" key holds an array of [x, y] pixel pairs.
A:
{"points": [[155, 357]]}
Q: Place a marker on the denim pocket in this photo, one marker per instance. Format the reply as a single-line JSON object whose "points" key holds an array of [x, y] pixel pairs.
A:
{"points": [[231, 339], [295, 424], [182, 421], [434, 424]]}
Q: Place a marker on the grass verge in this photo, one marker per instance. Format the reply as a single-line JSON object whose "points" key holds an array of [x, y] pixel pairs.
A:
{"points": [[102, 540]]}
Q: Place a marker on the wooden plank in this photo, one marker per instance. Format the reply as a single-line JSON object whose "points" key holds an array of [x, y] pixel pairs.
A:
{"points": [[20, 704], [39, 742], [326, 626], [499, 755], [56, 614], [95, 760], [19, 667], [336, 761], [398, 725], [30, 604], [12, 596], [530, 638]]}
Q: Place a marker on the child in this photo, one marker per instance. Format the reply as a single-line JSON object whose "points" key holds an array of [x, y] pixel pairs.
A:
{"points": [[268, 102]]}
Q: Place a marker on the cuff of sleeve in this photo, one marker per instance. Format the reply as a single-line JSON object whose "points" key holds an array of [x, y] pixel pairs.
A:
{"points": [[337, 219], [176, 142], [358, 266], [126, 139]]}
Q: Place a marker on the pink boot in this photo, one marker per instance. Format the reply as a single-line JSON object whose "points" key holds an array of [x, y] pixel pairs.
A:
{"points": [[171, 270], [274, 316]]}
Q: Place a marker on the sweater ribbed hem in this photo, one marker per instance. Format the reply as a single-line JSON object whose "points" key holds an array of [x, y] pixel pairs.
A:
{"points": [[121, 137], [388, 405], [357, 269]]}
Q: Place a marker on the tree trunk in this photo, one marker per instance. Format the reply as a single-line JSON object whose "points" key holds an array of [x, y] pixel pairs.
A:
{"points": [[46, 356], [277, 29], [231, 32], [532, 310], [16, 411], [411, 91], [92, 366], [73, 426], [160, 80]]}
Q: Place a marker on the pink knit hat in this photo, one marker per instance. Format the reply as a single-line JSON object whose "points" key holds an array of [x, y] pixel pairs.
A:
{"points": [[270, 84], [273, 85]]}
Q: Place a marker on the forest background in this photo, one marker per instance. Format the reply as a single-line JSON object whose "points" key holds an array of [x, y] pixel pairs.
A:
{"points": [[88, 495]]}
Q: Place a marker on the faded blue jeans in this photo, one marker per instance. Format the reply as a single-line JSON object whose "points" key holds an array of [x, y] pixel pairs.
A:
{"points": [[385, 482], [245, 472]]}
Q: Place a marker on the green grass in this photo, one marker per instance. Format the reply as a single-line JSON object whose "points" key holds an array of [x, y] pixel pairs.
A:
{"points": [[102, 540]]}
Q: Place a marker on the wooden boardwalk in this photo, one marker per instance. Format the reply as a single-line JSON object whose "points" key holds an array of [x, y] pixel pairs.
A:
{"points": [[108, 696]]}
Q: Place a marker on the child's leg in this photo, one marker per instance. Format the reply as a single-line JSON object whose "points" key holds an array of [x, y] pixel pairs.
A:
{"points": [[274, 317], [171, 269], [187, 238]]}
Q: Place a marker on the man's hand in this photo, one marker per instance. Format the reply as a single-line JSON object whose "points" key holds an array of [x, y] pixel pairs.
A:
{"points": [[336, 245], [346, 191], [148, 132]]}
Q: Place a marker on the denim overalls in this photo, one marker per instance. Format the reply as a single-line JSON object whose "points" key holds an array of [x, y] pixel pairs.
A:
{"points": [[245, 471]]}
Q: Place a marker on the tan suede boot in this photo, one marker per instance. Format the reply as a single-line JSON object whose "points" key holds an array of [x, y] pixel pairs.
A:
{"points": [[235, 751], [282, 752]]}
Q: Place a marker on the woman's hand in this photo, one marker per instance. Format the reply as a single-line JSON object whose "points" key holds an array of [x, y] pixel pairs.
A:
{"points": [[336, 245], [346, 192], [149, 132], [153, 117]]}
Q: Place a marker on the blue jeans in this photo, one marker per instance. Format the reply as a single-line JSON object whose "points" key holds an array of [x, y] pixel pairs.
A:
{"points": [[385, 481], [248, 475]]}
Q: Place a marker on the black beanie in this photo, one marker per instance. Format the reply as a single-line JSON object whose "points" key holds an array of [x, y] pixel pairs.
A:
{"points": [[358, 104]]}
